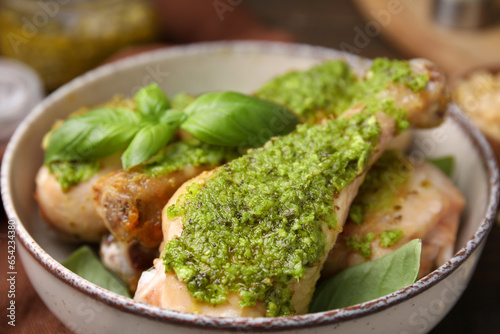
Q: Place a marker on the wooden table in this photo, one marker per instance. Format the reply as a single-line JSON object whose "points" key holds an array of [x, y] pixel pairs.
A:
{"points": [[320, 22]]}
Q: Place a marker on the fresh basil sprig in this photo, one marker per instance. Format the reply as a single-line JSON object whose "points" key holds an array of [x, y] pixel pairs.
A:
{"points": [[103, 132], [99, 133], [228, 119], [234, 119], [369, 280]]}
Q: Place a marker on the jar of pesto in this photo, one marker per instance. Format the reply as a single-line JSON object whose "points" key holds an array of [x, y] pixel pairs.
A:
{"points": [[62, 39]]}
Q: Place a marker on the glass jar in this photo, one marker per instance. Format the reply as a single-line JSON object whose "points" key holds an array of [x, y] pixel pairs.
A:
{"points": [[62, 39]]}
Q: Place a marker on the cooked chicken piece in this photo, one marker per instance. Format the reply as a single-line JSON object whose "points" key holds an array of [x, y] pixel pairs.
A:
{"points": [[152, 289], [330, 88], [129, 203], [402, 202], [70, 212], [167, 290], [159, 290], [126, 259]]}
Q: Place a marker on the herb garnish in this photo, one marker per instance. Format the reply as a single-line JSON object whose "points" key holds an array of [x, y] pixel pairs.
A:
{"points": [[227, 118], [369, 280], [85, 263]]}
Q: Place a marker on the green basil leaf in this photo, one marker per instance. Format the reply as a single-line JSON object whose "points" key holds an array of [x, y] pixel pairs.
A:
{"points": [[85, 263], [151, 101], [109, 115], [99, 133], [234, 119], [148, 141], [369, 280], [173, 117], [446, 164]]}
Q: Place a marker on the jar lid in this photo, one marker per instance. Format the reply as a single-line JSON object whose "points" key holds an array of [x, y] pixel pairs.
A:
{"points": [[20, 91]]}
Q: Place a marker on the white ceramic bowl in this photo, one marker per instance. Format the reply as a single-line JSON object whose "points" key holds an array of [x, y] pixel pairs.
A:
{"points": [[242, 66]]}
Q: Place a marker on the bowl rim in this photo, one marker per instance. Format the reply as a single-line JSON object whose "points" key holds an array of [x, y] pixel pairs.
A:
{"points": [[239, 323]]}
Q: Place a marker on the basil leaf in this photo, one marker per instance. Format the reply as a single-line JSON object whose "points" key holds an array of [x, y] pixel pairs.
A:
{"points": [[369, 280], [151, 101], [173, 118], [85, 263], [109, 115], [148, 141], [446, 164], [234, 119], [99, 133]]}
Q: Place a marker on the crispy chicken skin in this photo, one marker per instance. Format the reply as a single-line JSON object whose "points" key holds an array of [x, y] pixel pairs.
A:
{"points": [[166, 290], [129, 203], [71, 212], [427, 206]]}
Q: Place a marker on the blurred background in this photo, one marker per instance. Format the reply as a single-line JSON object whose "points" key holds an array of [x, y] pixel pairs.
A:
{"points": [[46, 43]]}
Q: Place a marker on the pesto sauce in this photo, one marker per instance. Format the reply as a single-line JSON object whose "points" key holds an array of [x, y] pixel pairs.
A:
{"points": [[327, 89], [382, 74], [330, 88], [390, 237], [361, 245], [255, 225], [374, 104], [188, 153], [71, 173], [381, 185], [384, 71], [387, 239]]}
